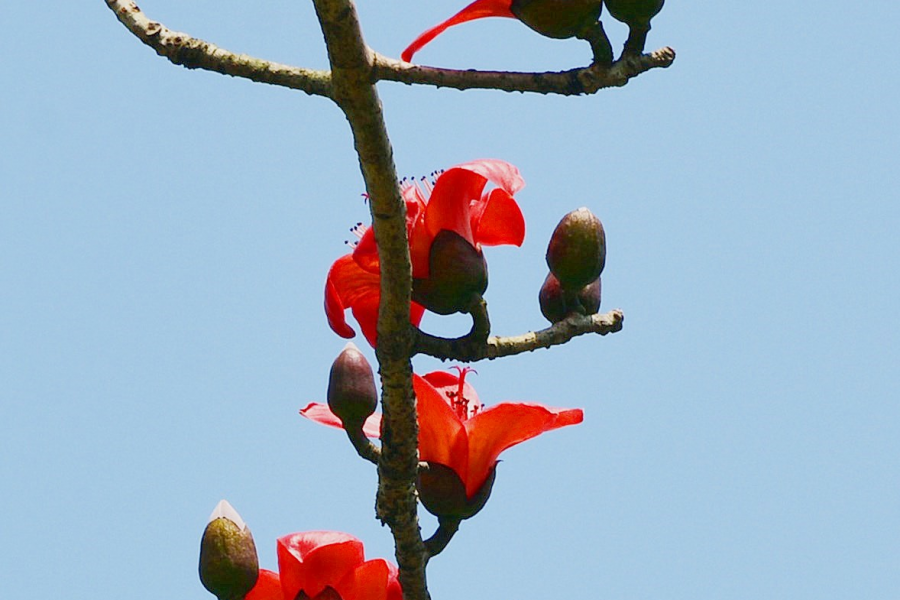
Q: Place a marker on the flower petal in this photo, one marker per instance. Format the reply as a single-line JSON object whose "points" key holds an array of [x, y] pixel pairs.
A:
{"points": [[505, 425], [312, 560], [499, 172], [442, 436], [350, 286], [268, 587], [479, 9], [497, 220], [320, 413], [370, 581], [451, 197], [447, 383]]}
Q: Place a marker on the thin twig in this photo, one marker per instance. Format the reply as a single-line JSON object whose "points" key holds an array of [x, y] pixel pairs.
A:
{"points": [[586, 80], [465, 349], [182, 49]]}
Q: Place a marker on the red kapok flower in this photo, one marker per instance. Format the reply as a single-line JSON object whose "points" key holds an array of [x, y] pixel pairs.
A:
{"points": [[447, 224], [456, 432], [552, 18], [326, 565]]}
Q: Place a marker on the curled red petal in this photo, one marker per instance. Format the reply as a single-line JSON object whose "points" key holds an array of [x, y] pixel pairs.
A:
{"points": [[498, 220], [312, 560], [320, 413], [505, 425], [350, 286], [499, 172], [334, 311], [451, 198], [479, 9], [442, 435], [268, 587], [366, 252]]}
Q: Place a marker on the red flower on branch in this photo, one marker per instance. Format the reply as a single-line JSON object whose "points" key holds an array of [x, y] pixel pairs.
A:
{"points": [[457, 433], [326, 565], [446, 223]]}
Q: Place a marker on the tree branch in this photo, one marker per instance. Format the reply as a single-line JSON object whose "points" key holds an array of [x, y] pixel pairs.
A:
{"points": [[192, 53], [465, 349], [354, 91], [574, 82]]}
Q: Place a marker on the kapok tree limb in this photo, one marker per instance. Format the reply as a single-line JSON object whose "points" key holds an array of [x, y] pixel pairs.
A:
{"points": [[466, 349], [182, 49], [587, 80], [354, 91]]}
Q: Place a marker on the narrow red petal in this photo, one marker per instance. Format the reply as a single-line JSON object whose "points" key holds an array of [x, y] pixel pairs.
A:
{"points": [[312, 560], [479, 9], [442, 437], [320, 413], [505, 425], [268, 587], [499, 220]]}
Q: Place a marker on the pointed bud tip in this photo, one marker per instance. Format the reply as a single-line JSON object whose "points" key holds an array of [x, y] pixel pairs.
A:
{"points": [[224, 510]]}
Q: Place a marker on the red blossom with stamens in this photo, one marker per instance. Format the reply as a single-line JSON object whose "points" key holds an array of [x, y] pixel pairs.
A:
{"points": [[326, 565], [456, 431], [458, 203]]}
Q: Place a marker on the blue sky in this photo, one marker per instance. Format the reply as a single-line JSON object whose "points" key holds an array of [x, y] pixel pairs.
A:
{"points": [[164, 239]]}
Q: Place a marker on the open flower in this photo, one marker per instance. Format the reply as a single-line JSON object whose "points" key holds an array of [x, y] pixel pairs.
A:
{"points": [[326, 565], [552, 18], [447, 223], [458, 434]]}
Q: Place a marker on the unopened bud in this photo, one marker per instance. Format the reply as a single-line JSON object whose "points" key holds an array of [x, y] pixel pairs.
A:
{"points": [[457, 275], [557, 303], [636, 14], [229, 566], [558, 18], [352, 395], [443, 493], [576, 253]]}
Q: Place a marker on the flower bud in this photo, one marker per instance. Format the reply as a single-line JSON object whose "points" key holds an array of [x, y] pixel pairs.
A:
{"points": [[636, 14], [229, 566], [457, 274], [577, 250], [558, 18], [443, 493], [352, 395], [557, 303]]}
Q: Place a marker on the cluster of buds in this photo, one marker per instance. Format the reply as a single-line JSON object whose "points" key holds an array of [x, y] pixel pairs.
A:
{"points": [[576, 256]]}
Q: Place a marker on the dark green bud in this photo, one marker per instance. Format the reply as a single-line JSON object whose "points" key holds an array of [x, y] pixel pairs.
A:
{"points": [[443, 493], [229, 566], [457, 275], [558, 18], [636, 14], [352, 395], [556, 303], [577, 250]]}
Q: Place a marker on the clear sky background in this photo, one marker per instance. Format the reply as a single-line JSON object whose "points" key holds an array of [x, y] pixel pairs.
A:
{"points": [[165, 235]]}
